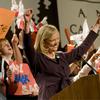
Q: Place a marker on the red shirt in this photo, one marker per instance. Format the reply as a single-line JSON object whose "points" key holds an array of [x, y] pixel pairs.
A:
{"points": [[23, 76]]}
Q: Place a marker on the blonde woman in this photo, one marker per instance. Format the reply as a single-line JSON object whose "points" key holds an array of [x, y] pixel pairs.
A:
{"points": [[50, 66]]}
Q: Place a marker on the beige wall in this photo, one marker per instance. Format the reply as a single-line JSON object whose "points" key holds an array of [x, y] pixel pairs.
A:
{"points": [[68, 11]]}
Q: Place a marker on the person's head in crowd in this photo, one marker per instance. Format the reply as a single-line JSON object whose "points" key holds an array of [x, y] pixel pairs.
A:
{"points": [[28, 13], [96, 60], [5, 48]]}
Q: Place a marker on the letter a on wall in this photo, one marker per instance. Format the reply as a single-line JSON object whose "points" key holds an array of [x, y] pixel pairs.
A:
{"points": [[6, 19]]}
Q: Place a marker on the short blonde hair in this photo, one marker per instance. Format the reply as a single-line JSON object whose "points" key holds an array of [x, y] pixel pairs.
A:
{"points": [[44, 33]]}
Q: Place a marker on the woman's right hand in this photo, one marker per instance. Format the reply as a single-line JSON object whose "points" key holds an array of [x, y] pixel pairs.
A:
{"points": [[28, 15], [95, 56]]}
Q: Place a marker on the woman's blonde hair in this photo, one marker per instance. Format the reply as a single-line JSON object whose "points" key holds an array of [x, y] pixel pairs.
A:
{"points": [[44, 33]]}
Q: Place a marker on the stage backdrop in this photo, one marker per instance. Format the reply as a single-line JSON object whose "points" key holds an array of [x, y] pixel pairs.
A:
{"points": [[72, 14]]}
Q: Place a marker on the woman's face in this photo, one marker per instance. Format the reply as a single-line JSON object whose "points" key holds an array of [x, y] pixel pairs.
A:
{"points": [[53, 43]]}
